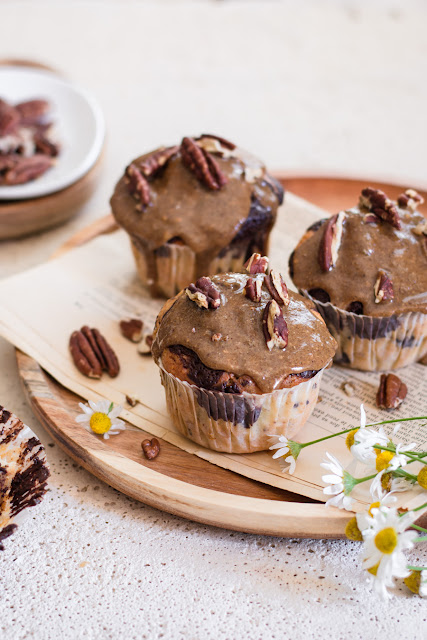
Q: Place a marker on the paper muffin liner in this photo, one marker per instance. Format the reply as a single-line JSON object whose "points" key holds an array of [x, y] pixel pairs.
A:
{"points": [[23, 472], [238, 423], [176, 266], [372, 343]]}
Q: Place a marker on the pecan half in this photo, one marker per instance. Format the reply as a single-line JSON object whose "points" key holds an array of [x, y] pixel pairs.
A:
{"points": [[132, 329], [256, 264], [277, 288], [150, 448], [92, 354], [274, 326], [9, 118], [252, 290], [376, 201], [32, 111], [202, 164], [156, 161], [410, 199], [204, 293], [391, 391], [138, 185], [26, 169], [383, 288], [331, 241]]}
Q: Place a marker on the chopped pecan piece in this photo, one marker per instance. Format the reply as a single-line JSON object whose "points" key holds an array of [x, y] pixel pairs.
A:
{"points": [[144, 347], [92, 354], [277, 288], [391, 391], [150, 448], [410, 199], [132, 400], [132, 329], [156, 161], [225, 143], [45, 146], [331, 241], [138, 185], [253, 289], [256, 264], [202, 164], [376, 201], [370, 218], [25, 169], [204, 293], [274, 326], [383, 288], [420, 229]]}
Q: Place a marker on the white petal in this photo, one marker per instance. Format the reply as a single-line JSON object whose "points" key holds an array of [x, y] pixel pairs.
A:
{"points": [[362, 417]]}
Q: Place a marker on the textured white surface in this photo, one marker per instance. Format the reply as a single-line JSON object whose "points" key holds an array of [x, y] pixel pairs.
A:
{"points": [[330, 86]]}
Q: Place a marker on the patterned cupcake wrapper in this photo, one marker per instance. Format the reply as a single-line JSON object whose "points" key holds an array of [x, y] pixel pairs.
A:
{"points": [[176, 267], [373, 343], [238, 423], [23, 472]]}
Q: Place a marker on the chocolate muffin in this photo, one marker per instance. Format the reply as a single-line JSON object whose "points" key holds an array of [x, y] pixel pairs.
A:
{"points": [[366, 270], [241, 359], [202, 207]]}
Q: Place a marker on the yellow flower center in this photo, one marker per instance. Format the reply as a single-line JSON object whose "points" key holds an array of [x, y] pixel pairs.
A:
{"points": [[373, 570], [386, 482], [383, 460], [100, 422], [386, 540], [352, 531], [413, 581], [349, 441], [374, 505], [422, 477]]}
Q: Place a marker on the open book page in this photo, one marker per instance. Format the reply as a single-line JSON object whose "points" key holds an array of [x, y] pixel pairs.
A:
{"points": [[97, 285]]}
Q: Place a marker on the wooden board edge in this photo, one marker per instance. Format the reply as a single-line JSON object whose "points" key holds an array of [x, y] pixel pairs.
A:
{"points": [[239, 513]]}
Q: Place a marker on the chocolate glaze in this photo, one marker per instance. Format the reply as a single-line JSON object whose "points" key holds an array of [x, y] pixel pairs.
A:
{"points": [[184, 210], [242, 349], [366, 248]]}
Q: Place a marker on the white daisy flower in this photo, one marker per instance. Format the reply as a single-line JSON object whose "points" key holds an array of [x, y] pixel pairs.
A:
{"points": [[364, 442], [341, 484], [400, 460], [380, 486], [385, 538], [288, 452], [101, 418], [417, 582]]}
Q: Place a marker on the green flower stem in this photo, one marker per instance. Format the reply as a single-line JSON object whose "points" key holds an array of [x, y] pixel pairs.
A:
{"points": [[365, 479], [400, 473], [411, 568], [423, 506], [413, 458], [421, 539], [415, 526], [374, 424]]}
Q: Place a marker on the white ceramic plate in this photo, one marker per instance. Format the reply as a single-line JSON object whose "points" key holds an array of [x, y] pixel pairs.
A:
{"points": [[78, 123]]}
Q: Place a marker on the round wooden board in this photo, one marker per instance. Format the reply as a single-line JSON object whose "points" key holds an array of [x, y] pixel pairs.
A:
{"points": [[20, 218], [176, 481]]}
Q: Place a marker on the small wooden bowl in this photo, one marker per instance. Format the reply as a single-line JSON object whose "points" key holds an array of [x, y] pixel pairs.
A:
{"points": [[23, 217]]}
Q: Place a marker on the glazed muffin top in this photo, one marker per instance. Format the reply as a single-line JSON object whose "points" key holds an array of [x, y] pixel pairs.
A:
{"points": [[246, 326], [199, 192], [370, 260]]}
